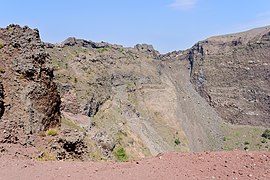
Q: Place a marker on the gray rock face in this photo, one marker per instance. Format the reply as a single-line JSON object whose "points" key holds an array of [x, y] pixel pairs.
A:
{"points": [[72, 41], [92, 107], [31, 96], [148, 49], [233, 74], [106, 143]]}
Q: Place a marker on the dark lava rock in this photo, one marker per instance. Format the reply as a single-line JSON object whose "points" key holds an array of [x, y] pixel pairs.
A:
{"points": [[72, 146], [30, 95]]}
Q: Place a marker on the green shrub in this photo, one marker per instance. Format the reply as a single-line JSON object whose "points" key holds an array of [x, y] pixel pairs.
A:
{"points": [[46, 156], [120, 154], [266, 134], [226, 138], [1, 46], [102, 50], [52, 132], [177, 141], [55, 62]]}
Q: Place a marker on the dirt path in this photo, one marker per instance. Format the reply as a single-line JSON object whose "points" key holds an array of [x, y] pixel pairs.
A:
{"points": [[213, 165]]}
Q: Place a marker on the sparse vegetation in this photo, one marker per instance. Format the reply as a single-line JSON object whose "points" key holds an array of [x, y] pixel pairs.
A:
{"points": [[46, 156], [55, 63], [102, 50], [1, 45], [95, 153], [131, 86], [119, 137], [52, 132], [266, 134], [11, 28], [120, 154], [226, 148], [226, 138], [177, 141], [71, 124], [239, 137]]}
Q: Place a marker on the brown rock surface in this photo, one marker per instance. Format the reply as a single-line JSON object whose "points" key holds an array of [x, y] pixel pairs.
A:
{"points": [[30, 97]]}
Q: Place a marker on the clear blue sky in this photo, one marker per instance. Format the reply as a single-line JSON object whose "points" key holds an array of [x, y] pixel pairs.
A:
{"points": [[167, 24]]}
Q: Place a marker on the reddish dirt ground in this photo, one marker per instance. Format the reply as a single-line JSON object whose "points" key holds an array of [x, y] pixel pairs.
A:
{"points": [[207, 165]]}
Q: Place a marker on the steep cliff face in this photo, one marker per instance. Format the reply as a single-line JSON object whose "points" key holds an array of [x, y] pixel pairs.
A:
{"points": [[29, 100], [232, 73], [132, 98]]}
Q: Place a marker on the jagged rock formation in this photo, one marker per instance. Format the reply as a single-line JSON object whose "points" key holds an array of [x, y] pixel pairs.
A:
{"points": [[71, 146], [232, 72], [29, 101]]}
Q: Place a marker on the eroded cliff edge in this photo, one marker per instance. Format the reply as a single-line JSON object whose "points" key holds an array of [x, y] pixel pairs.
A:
{"points": [[232, 72]]}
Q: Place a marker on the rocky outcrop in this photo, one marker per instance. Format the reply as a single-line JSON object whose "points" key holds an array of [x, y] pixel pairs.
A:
{"points": [[31, 100], [232, 73], [71, 146], [105, 143], [148, 49]]}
